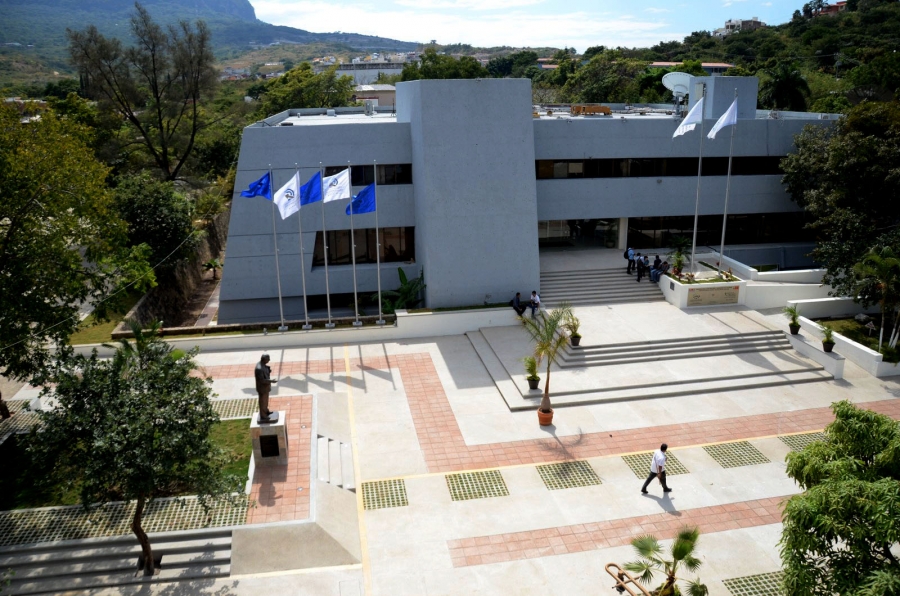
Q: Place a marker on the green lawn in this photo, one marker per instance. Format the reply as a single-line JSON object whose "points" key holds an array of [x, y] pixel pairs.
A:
{"points": [[17, 486], [852, 329], [92, 332]]}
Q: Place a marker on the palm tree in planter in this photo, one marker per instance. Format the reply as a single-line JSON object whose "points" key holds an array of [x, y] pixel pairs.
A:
{"points": [[827, 338], [792, 312], [878, 275], [549, 333], [531, 368], [651, 560], [572, 325]]}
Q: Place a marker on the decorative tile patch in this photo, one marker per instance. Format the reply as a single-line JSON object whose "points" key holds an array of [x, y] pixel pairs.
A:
{"points": [[50, 524], [640, 464], [383, 494], [799, 442], [735, 455], [570, 474], [235, 408], [764, 584], [476, 485]]}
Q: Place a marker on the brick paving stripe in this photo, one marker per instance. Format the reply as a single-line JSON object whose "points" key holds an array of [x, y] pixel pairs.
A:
{"points": [[562, 540]]}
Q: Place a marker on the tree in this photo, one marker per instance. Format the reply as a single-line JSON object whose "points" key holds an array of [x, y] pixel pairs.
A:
{"points": [[650, 560], [408, 295], [213, 265], [135, 427], [845, 178], [158, 217], [548, 332], [608, 77], [839, 532], [878, 279], [302, 88], [439, 66], [784, 88], [156, 86], [62, 242]]}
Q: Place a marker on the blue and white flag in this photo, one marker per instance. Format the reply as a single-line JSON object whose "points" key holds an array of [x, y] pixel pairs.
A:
{"points": [[729, 118], [287, 198], [336, 187], [259, 188], [694, 117], [364, 202], [311, 192]]}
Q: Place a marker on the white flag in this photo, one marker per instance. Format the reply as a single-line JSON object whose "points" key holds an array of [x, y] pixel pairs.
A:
{"points": [[729, 118], [693, 118], [336, 187], [288, 197]]}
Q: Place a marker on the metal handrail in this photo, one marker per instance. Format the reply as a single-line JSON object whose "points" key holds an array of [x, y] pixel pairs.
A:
{"points": [[623, 579]]}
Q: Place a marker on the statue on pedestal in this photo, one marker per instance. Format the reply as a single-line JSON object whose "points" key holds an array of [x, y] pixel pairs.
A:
{"points": [[263, 374]]}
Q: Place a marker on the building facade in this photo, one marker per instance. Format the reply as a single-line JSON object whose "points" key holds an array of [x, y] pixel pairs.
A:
{"points": [[471, 182]]}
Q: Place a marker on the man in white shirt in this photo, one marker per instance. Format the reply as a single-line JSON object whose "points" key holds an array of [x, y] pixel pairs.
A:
{"points": [[535, 303], [658, 469]]}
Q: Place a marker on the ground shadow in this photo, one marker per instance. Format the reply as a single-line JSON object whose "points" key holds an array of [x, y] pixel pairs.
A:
{"points": [[559, 447], [665, 503]]}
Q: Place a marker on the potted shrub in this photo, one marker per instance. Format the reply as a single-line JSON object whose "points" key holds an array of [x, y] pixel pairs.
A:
{"points": [[531, 368], [793, 314], [548, 332], [652, 560], [828, 338], [572, 324]]}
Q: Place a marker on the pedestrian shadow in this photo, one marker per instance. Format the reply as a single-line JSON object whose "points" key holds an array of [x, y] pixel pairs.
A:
{"points": [[665, 503]]}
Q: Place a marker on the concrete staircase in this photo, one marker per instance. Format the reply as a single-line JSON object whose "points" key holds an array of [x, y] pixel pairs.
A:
{"points": [[52, 568], [334, 463], [597, 286], [673, 349]]}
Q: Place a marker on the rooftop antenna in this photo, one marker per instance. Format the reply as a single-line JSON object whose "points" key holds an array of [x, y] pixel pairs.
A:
{"points": [[679, 84]]}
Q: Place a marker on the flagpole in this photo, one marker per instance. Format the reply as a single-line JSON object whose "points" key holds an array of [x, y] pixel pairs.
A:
{"points": [[727, 191], [380, 320], [697, 202], [283, 327], [357, 322], [306, 326], [329, 324]]}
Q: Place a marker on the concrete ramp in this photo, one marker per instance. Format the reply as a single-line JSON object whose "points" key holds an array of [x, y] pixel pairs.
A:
{"points": [[283, 548]]}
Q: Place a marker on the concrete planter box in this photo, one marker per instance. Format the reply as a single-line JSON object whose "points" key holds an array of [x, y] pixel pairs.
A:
{"points": [[696, 295], [869, 360]]}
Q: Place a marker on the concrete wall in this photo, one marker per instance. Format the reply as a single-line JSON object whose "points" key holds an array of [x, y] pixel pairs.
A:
{"points": [[475, 198], [759, 296], [869, 360], [830, 307]]}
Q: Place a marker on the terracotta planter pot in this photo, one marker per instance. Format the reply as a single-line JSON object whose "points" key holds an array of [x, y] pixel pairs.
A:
{"points": [[545, 418], [533, 383], [576, 341], [828, 346], [795, 329]]}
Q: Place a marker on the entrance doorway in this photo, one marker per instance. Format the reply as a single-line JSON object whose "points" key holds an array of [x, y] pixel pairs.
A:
{"points": [[587, 233]]}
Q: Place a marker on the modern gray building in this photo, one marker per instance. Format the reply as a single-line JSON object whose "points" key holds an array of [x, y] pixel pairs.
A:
{"points": [[473, 179]]}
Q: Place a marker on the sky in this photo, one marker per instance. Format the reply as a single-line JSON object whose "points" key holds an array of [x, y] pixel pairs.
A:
{"points": [[519, 23]]}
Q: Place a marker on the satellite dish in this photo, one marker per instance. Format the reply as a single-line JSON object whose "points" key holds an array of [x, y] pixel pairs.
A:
{"points": [[679, 83]]}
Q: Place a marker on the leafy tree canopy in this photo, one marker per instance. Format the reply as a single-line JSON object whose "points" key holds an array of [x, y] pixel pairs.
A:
{"points": [[62, 242], [300, 87], [838, 534], [847, 179], [608, 77], [135, 427], [157, 216], [437, 66]]}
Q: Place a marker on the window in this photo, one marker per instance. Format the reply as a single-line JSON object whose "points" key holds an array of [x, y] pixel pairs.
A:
{"points": [[659, 167], [397, 245], [365, 175]]}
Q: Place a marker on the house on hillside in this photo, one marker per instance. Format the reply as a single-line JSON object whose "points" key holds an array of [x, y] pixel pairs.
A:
{"points": [[711, 68], [737, 25]]}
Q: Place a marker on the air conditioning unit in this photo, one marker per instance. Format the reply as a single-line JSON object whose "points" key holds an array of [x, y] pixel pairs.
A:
{"points": [[370, 107]]}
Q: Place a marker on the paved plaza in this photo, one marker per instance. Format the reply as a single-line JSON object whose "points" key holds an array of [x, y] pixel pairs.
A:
{"points": [[457, 494]]}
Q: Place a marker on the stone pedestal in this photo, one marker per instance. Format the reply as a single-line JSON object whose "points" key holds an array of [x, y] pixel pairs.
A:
{"points": [[270, 441]]}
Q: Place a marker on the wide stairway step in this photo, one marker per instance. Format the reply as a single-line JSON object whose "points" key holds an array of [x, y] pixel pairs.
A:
{"points": [[598, 286], [51, 568], [673, 349]]}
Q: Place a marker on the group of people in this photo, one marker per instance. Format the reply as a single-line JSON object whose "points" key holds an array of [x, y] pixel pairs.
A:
{"points": [[520, 307], [640, 264]]}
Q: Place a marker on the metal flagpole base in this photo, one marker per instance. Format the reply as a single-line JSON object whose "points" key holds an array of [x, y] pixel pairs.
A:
{"points": [[283, 328], [379, 322], [329, 325], [306, 327], [357, 323]]}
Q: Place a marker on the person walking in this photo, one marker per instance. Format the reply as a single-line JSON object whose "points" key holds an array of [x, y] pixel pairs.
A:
{"points": [[535, 303], [630, 261], [658, 469], [641, 268], [517, 305]]}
